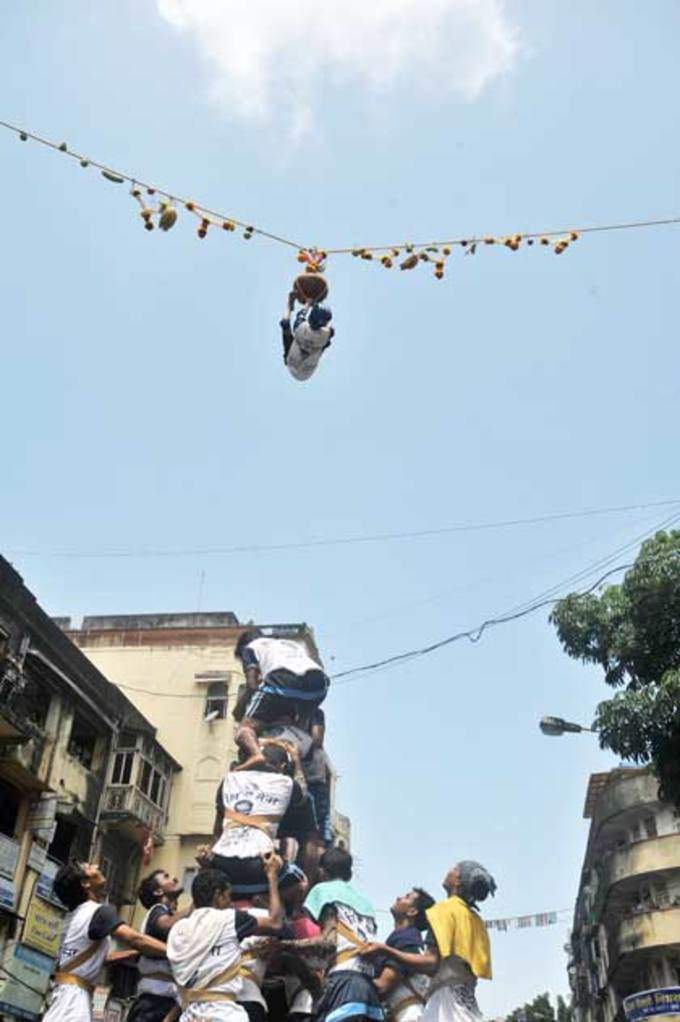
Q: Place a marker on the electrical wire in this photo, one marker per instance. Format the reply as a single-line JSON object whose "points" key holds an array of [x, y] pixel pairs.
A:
{"points": [[471, 240], [474, 635], [544, 599], [347, 540]]}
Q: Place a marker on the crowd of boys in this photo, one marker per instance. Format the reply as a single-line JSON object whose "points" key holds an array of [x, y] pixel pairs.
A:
{"points": [[276, 929]]}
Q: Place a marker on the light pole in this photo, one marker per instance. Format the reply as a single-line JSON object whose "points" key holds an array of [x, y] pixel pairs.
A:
{"points": [[555, 727]]}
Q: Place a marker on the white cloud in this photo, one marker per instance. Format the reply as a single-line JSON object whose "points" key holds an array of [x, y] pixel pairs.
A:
{"points": [[271, 57]]}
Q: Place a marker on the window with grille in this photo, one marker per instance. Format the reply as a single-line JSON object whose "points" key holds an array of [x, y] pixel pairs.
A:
{"points": [[122, 768], [152, 783], [127, 740], [661, 895], [188, 878], [650, 826], [82, 741], [216, 701]]}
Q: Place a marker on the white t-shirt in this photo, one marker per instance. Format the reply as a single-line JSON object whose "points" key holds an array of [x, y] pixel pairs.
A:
{"points": [[415, 984], [252, 793], [297, 736], [74, 939], [157, 987], [224, 953], [71, 1003], [365, 929], [298, 998], [256, 967], [282, 654]]}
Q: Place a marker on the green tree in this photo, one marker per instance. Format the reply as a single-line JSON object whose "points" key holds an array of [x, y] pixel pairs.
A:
{"points": [[541, 1010], [632, 631], [564, 1010]]}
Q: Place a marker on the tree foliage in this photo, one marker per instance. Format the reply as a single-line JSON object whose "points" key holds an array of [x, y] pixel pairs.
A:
{"points": [[542, 1010], [632, 631]]}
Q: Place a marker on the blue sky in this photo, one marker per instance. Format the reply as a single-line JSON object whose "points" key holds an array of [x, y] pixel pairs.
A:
{"points": [[145, 404]]}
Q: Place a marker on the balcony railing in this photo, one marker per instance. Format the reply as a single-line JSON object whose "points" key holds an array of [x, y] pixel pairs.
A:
{"points": [[16, 724], [643, 931], [633, 790], [125, 802], [642, 858]]}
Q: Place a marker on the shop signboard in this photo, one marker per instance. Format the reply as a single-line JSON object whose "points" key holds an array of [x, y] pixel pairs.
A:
{"points": [[114, 1012], [653, 1004], [42, 928], [7, 894], [99, 1001], [24, 983], [45, 883], [9, 856]]}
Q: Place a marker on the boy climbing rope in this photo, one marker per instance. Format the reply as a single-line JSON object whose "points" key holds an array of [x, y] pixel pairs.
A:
{"points": [[305, 342]]}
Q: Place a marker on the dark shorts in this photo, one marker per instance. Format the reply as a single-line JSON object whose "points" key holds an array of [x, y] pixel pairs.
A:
{"points": [[320, 793], [273, 698], [256, 1013], [150, 1008], [299, 821], [348, 995], [246, 876]]}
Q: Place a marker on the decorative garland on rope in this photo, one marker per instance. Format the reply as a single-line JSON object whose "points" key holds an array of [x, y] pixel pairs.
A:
{"points": [[164, 210]]}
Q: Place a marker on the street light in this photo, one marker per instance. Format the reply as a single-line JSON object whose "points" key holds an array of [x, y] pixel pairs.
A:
{"points": [[555, 726]]}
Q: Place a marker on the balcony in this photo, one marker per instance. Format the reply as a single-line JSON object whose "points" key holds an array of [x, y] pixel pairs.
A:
{"points": [[640, 859], [631, 790], [647, 931], [15, 722], [127, 808], [22, 742]]}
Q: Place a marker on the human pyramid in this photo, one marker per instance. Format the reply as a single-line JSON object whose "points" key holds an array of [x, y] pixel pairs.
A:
{"points": [[276, 929]]}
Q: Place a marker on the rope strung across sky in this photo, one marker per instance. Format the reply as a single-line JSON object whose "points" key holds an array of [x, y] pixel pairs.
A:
{"points": [[159, 208]]}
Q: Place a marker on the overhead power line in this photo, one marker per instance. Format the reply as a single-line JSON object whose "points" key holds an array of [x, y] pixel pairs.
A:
{"points": [[380, 537], [523, 610], [545, 599]]}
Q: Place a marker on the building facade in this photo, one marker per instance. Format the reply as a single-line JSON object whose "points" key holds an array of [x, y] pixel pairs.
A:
{"points": [[181, 672], [78, 767], [626, 936]]}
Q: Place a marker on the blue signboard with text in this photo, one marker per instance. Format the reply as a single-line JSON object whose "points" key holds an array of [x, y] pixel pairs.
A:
{"points": [[649, 1003]]}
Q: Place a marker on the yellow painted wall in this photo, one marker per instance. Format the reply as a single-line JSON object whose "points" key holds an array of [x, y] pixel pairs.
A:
{"points": [[203, 749], [657, 929]]}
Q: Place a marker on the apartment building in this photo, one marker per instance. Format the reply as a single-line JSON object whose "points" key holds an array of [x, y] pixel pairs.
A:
{"points": [[78, 778], [626, 935]]}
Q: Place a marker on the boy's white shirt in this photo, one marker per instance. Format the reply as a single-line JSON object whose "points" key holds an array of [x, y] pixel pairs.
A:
{"points": [[307, 347], [207, 932], [252, 989]]}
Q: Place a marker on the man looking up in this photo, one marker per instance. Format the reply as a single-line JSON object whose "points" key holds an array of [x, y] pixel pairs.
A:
{"points": [[86, 940], [458, 951], [156, 991], [401, 989]]}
